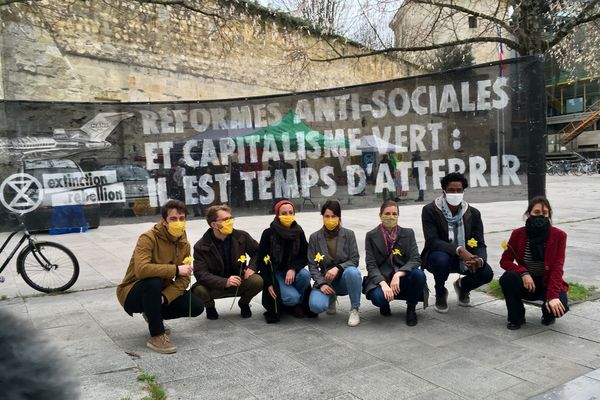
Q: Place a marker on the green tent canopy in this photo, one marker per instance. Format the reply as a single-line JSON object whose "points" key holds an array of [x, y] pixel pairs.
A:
{"points": [[283, 132]]}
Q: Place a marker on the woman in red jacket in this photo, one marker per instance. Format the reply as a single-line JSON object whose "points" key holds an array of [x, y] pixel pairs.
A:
{"points": [[533, 260]]}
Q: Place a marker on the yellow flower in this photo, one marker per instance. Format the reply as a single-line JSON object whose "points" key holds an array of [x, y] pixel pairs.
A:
{"points": [[188, 260], [472, 242], [242, 258], [396, 252], [504, 245], [267, 259], [319, 257]]}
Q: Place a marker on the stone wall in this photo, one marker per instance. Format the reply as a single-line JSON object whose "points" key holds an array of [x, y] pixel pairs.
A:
{"points": [[121, 50]]}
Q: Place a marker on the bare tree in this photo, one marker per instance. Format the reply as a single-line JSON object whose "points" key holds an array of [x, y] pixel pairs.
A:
{"points": [[323, 13], [527, 26], [579, 50], [452, 57], [329, 16], [565, 29]]}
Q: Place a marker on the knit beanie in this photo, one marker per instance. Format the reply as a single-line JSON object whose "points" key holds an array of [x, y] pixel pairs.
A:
{"points": [[281, 203]]}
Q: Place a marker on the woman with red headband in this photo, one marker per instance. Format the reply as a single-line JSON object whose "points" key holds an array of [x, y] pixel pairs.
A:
{"points": [[282, 258]]}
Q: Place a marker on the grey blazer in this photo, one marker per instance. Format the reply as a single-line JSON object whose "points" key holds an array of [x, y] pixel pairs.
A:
{"points": [[346, 254], [380, 267]]}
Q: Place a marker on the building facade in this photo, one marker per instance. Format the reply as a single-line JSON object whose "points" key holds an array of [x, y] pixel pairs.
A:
{"points": [[573, 116], [421, 24]]}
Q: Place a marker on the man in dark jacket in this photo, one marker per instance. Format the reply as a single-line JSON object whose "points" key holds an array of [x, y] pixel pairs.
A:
{"points": [[225, 263], [454, 242]]}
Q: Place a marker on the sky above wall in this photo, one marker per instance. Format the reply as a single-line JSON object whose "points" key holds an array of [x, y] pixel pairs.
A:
{"points": [[358, 19]]}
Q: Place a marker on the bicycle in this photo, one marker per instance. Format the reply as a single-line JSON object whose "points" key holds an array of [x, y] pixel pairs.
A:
{"points": [[556, 167], [45, 266], [590, 167]]}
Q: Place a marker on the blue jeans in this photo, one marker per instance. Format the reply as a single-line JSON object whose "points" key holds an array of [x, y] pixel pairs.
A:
{"points": [[411, 290], [349, 283], [293, 294], [441, 264]]}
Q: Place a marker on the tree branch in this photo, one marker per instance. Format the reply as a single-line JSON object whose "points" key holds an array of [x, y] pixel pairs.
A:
{"points": [[333, 47], [493, 39], [7, 2], [579, 20], [466, 11], [591, 18], [181, 3]]}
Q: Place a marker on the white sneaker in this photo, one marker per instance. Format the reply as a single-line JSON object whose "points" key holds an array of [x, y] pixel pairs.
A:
{"points": [[331, 310], [354, 318]]}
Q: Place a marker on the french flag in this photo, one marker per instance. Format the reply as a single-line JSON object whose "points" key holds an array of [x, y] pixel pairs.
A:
{"points": [[500, 50], [500, 45]]}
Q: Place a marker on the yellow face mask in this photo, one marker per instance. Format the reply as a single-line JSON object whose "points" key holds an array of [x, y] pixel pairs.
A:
{"points": [[331, 223], [287, 220], [176, 228], [389, 221], [226, 227]]}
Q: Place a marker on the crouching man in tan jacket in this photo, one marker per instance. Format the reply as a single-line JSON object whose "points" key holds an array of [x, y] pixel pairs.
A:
{"points": [[158, 275]]}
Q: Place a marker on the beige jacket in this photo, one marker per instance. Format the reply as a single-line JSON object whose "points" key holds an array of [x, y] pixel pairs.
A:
{"points": [[157, 255]]}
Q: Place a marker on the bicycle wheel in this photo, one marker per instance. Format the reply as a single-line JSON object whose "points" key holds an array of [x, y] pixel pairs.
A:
{"points": [[590, 169], [48, 267]]}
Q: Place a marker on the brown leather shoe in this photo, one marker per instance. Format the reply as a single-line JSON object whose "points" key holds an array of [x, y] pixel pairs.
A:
{"points": [[161, 344]]}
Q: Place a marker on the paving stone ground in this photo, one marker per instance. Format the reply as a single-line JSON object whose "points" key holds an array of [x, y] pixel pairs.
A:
{"points": [[465, 354]]}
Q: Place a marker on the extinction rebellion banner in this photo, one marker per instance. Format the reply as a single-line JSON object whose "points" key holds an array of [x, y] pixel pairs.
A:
{"points": [[359, 144]]}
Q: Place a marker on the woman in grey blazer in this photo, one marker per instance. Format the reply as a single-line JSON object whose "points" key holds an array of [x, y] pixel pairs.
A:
{"points": [[393, 263], [333, 263]]}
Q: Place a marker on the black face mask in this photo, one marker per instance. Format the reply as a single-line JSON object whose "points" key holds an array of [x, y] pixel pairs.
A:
{"points": [[537, 228], [537, 225]]}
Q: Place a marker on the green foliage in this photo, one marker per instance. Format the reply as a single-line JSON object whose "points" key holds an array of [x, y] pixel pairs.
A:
{"points": [[493, 289], [577, 291], [155, 390], [447, 58]]}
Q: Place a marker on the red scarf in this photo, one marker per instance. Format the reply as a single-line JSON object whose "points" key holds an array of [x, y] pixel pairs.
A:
{"points": [[389, 237]]}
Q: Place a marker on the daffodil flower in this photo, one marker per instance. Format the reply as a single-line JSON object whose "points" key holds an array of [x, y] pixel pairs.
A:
{"points": [[267, 260], [186, 261], [242, 261], [507, 246], [396, 252], [319, 257], [472, 243]]}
